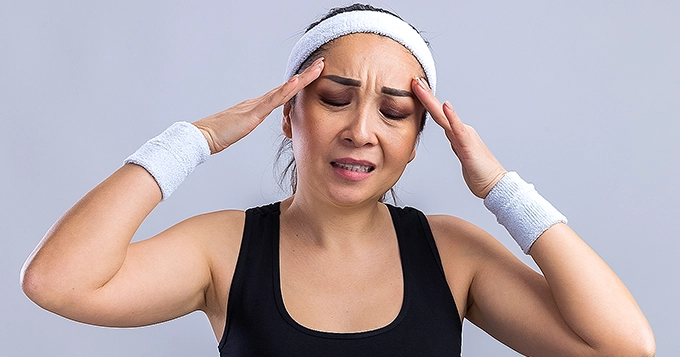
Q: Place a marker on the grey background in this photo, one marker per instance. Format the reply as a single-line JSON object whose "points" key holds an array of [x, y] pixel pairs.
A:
{"points": [[581, 98]]}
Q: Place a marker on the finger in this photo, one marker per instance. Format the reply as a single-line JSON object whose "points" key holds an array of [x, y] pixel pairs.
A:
{"points": [[430, 102], [456, 125], [283, 93], [300, 81]]}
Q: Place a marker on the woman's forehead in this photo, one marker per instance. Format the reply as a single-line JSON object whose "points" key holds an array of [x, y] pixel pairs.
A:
{"points": [[364, 53]]}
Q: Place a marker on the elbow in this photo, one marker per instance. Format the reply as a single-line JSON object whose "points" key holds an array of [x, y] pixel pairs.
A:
{"points": [[641, 344], [34, 280], [646, 347], [32, 284], [641, 349], [39, 286]]}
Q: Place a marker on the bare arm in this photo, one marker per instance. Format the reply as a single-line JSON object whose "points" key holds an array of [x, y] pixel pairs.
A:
{"points": [[578, 307], [86, 269]]}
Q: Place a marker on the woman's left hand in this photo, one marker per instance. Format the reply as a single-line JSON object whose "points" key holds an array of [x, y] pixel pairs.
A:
{"points": [[481, 169]]}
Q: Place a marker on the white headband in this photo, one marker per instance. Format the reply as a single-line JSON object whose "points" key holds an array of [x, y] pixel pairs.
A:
{"points": [[363, 21]]}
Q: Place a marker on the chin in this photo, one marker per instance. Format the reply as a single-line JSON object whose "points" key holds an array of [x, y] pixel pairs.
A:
{"points": [[353, 197]]}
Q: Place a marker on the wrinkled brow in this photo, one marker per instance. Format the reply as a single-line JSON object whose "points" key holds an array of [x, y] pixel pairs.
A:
{"points": [[356, 83]]}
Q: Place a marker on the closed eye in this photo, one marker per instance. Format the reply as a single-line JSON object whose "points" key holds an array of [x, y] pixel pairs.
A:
{"points": [[334, 103], [393, 115]]}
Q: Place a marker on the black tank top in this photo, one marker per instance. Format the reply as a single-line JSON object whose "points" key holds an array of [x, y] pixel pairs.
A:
{"points": [[259, 325]]}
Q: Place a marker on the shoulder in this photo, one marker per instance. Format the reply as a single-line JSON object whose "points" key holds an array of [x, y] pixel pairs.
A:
{"points": [[449, 225], [213, 228], [454, 234], [464, 250], [218, 231], [219, 234], [211, 222]]}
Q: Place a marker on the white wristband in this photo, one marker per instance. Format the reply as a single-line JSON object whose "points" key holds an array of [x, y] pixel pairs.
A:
{"points": [[171, 156], [521, 210]]}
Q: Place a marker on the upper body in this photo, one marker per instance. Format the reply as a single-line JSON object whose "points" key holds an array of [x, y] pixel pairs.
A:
{"points": [[354, 123], [425, 320]]}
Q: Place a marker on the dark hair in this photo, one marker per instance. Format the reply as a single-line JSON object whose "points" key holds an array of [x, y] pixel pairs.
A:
{"points": [[286, 145], [354, 7]]}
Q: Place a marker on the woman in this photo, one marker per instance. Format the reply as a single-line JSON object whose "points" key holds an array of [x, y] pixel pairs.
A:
{"points": [[332, 270]]}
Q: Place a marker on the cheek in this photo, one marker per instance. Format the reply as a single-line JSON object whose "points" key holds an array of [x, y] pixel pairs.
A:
{"points": [[305, 125], [400, 146], [312, 121], [312, 132]]}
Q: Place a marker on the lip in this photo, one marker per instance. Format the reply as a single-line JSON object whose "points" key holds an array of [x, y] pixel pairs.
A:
{"points": [[352, 169]]}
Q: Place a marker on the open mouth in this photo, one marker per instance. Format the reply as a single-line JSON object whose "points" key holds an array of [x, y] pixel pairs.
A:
{"points": [[354, 168]]}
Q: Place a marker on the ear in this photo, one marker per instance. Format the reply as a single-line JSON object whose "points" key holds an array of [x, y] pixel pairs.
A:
{"points": [[285, 122]]}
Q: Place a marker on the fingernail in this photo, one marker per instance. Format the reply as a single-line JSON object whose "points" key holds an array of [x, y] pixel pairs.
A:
{"points": [[293, 78], [448, 105], [422, 83], [318, 62]]}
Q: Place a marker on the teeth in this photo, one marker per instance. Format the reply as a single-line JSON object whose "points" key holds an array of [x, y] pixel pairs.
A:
{"points": [[356, 168]]}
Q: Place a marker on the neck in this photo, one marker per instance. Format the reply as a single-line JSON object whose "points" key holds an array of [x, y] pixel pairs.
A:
{"points": [[329, 225]]}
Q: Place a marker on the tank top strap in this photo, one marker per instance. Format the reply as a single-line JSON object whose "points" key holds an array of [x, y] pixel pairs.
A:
{"points": [[252, 283], [423, 270], [414, 233]]}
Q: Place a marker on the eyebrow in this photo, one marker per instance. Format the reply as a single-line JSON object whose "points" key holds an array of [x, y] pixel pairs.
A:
{"points": [[356, 83], [396, 92]]}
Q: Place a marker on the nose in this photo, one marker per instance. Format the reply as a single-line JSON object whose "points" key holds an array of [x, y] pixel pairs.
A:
{"points": [[360, 129]]}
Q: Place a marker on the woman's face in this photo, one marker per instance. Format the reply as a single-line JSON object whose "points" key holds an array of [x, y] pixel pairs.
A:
{"points": [[355, 128]]}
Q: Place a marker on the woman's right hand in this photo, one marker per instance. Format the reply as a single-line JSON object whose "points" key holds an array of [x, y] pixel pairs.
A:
{"points": [[229, 126]]}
